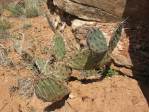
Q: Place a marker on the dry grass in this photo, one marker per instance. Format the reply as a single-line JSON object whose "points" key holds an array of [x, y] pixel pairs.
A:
{"points": [[32, 8], [16, 9], [4, 26], [28, 8]]}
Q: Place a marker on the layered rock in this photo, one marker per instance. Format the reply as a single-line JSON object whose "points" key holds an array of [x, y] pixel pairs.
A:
{"points": [[93, 9]]}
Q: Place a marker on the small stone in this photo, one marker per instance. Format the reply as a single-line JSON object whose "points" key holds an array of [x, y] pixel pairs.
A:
{"points": [[79, 23], [72, 96], [126, 71]]}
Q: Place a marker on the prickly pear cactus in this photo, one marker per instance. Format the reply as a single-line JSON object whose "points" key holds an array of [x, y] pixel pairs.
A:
{"points": [[98, 53], [112, 44], [59, 46], [88, 58], [52, 87], [51, 90]]}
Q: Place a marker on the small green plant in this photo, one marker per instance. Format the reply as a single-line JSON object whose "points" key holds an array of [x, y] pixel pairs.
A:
{"points": [[111, 72], [4, 24], [32, 8], [29, 8], [16, 9]]}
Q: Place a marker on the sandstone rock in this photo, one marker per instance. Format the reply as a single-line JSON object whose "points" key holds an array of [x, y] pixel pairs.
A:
{"points": [[127, 72], [93, 10], [124, 71], [105, 10], [121, 60], [80, 23]]}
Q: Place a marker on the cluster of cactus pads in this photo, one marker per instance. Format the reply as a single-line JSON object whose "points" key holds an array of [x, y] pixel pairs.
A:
{"points": [[95, 56], [51, 87], [98, 53]]}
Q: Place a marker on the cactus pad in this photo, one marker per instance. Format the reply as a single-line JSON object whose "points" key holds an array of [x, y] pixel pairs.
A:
{"points": [[79, 60], [112, 44], [51, 90], [60, 72], [115, 38], [42, 65], [59, 46], [96, 41]]}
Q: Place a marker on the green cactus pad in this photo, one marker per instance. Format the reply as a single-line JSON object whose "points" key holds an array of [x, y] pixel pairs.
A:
{"points": [[51, 90], [42, 65], [112, 44], [86, 60], [79, 60], [61, 72], [59, 46], [115, 38], [96, 41]]}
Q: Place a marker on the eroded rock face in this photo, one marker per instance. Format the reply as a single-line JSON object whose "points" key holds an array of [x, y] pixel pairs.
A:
{"points": [[105, 10], [93, 9]]}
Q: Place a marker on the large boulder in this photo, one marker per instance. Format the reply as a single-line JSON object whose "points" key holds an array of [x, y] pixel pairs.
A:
{"points": [[105, 10], [93, 9]]}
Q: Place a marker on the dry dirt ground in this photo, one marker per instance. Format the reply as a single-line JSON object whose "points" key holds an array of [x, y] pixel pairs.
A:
{"points": [[113, 94]]}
